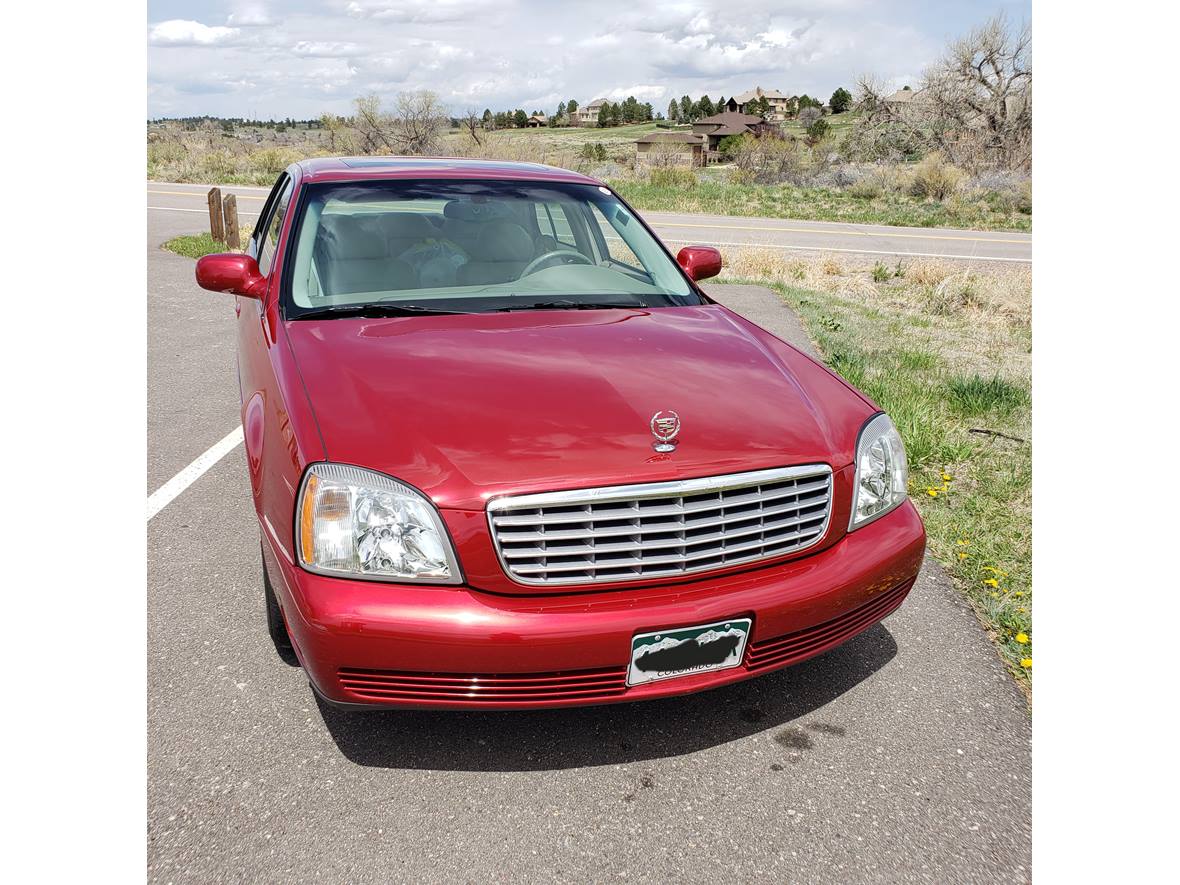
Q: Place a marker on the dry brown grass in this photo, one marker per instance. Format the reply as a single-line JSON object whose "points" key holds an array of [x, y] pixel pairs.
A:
{"points": [[970, 309]]}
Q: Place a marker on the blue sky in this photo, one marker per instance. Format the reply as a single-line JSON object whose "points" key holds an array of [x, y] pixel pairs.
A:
{"points": [[300, 59]]}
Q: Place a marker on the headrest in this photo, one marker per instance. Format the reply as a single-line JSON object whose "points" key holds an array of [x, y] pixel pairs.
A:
{"points": [[353, 238], [503, 241], [407, 226], [467, 210]]}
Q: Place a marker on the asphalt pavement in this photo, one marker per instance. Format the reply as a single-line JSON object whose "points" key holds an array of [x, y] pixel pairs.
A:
{"points": [[902, 756], [725, 232]]}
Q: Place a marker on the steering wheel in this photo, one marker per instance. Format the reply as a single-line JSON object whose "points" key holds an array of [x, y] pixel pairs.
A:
{"points": [[535, 264]]}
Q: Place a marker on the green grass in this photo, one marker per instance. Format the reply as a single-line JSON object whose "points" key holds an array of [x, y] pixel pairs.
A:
{"points": [[974, 491], [195, 245], [824, 204]]}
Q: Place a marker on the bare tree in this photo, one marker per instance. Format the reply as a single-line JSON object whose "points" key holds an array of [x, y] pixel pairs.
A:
{"points": [[415, 127], [373, 126], [419, 122], [974, 104], [978, 97], [473, 123]]}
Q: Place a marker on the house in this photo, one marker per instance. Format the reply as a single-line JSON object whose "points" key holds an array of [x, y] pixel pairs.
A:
{"points": [[587, 115], [904, 97], [670, 149], [713, 129], [781, 106], [537, 120]]}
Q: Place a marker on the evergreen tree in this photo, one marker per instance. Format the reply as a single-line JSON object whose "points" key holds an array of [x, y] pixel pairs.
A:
{"points": [[840, 101], [685, 109], [706, 106], [520, 118], [673, 111]]}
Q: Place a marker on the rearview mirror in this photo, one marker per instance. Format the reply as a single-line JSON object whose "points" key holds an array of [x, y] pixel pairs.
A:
{"points": [[231, 272], [699, 262]]}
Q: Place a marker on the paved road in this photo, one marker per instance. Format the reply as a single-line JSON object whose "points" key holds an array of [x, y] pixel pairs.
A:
{"points": [[725, 232], [901, 756]]}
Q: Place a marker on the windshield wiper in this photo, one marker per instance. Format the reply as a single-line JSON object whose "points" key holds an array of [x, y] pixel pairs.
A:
{"points": [[571, 305], [375, 309]]}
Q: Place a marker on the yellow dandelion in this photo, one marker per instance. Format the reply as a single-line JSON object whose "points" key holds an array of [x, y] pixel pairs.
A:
{"points": [[962, 555], [1026, 663], [1022, 610], [995, 571], [963, 542], [1018, 593], [992, 582], [946, 477], [1022, 638], [933, 493]]}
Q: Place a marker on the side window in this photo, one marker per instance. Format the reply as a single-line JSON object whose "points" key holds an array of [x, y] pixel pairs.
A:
{"points": [[270, 237], [552, 222]]}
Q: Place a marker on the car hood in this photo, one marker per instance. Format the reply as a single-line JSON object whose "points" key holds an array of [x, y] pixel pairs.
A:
{"points": [[471, 406]]}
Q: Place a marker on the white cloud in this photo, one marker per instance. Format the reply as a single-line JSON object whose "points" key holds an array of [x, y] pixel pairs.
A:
{"points": [[325, 49], [315, 56], [182, 32], [250, 15]]}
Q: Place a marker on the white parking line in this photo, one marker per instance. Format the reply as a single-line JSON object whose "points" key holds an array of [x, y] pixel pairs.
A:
{"points": [[165, 494]]}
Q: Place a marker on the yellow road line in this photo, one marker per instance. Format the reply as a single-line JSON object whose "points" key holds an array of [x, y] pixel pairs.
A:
{"points": [[845, 233], [202, 196]]}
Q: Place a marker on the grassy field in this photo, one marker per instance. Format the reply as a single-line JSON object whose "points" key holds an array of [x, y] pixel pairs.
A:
{"points": [[989, 211], [947, 352]]}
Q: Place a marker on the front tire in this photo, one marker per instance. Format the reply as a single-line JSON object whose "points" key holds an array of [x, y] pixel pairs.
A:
{"points": [[275, 625]]}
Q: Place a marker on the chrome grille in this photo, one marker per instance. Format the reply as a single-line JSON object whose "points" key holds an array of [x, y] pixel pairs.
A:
{"points": [[627, 533]]}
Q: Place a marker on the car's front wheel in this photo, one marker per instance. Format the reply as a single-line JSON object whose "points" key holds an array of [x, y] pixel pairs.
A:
{"points": [[275, 625]]}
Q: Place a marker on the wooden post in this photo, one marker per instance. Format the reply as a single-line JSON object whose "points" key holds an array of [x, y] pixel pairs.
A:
{"points": [[216, 227], [229, 208]]}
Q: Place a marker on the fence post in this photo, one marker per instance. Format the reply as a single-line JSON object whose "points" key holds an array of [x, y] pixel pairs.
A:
{"points": [[216, 228], [229, 208]]}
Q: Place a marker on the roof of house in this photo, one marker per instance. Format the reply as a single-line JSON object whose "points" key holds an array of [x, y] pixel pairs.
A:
{"points": [[538, 117], [904, 95], [597, 103], [756, 92], [732, 118], [730, 123], [669, 138]]}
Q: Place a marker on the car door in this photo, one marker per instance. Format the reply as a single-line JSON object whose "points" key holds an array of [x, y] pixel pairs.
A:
{"points": [[262, 405]]}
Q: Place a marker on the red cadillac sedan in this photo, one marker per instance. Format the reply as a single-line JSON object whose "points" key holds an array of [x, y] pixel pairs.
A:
{"points": [[506, 453]]}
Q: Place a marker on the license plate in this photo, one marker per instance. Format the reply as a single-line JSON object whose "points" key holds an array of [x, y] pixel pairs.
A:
{"points": [[666, 654]]}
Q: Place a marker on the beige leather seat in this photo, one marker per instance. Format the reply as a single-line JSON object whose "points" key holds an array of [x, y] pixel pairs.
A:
{"points": [[356, 258], [499, 254]]}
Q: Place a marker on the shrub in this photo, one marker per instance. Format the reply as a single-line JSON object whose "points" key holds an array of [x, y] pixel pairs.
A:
{"points": [[935, 178], [272, 161], [595, 151], [728, 145], [880, 273], [673, 177], [867, 188]]}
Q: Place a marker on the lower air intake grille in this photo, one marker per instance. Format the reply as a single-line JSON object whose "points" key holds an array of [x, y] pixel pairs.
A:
{"points": [[628, 533], [505, 688], [783, 650]]}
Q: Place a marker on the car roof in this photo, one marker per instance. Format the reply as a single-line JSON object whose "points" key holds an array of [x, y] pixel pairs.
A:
{"points": [[320, 169]]}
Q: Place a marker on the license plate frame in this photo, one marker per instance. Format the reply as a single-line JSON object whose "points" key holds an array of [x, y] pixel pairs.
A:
{"points": [[724, 651]]}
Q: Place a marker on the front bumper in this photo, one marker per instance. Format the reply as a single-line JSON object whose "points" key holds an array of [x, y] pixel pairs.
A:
{"points": [[374, 644]]}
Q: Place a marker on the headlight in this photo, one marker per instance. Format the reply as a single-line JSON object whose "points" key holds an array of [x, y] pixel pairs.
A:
{"points": [[881, 471], [359, 524]]}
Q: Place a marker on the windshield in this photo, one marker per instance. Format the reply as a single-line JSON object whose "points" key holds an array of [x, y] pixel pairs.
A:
{"points": [[465, 246]]}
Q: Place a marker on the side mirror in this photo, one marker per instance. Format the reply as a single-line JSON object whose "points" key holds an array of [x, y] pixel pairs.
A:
{"points": [[699, 262], [231, 272]]}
